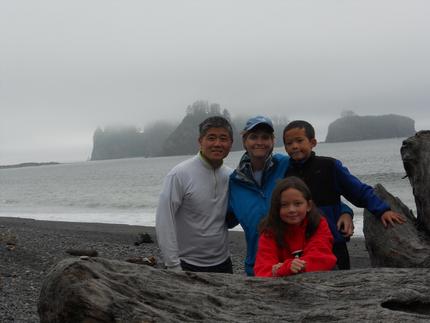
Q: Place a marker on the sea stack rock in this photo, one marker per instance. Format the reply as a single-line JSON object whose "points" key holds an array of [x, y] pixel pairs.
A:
{"points": [[354, 127]]}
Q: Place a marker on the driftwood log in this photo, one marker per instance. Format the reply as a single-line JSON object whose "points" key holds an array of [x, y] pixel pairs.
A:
{"points": [[101, 290], [406, 245]]}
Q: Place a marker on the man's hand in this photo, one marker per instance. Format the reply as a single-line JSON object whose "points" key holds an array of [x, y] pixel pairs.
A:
{"points": [[391, 217], [345, 225]]}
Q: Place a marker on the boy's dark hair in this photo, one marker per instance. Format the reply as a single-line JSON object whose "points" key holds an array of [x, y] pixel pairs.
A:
{"points": [[272, 223], [301, 124], [215, 122]]}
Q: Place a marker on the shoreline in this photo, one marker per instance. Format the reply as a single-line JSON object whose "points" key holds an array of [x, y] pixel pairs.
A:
{"points": [[28, 164], [40, 244]]}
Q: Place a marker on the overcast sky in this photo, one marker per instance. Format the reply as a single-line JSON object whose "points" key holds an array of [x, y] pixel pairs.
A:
{"points": [[67, 67]]}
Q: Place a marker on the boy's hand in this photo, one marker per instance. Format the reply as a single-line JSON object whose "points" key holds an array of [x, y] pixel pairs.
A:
{"points": [[345, 225], [297, 265], [391, 217]]}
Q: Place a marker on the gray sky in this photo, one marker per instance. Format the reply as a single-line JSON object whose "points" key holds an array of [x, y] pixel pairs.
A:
{"points": [[67, 67]]}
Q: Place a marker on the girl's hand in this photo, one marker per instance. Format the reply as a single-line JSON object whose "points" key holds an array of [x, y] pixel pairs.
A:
{"points": [[297, 265], [275, 268]]}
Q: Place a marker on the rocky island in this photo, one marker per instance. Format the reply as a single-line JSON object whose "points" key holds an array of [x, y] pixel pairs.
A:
{"points": [[354, 128]]}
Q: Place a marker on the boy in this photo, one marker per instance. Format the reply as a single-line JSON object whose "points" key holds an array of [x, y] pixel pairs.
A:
{"points": [[328, 180]]}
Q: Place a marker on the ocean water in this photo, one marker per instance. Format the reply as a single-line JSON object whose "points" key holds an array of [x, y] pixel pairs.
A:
{"points": [[126, 190]]}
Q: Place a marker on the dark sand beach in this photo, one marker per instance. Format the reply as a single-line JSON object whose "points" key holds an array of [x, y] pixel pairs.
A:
{"points": [[41, 244]]}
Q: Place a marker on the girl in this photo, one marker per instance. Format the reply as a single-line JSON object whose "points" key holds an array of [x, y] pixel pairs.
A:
{"points": [[294, 237]]}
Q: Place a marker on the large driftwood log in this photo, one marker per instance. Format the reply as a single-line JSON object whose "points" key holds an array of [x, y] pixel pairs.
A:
{"points": [[416, 160], [101, 290], [406, 245]]}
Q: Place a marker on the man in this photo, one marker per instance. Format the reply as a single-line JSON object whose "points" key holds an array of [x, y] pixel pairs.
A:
{"points": [[190, 220]]}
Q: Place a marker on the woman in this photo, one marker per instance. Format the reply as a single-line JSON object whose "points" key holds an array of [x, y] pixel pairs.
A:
{"points": [[253, 181]]}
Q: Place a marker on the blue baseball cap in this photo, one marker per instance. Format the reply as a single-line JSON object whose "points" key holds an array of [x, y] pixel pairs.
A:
{"points": [[258, 120]]}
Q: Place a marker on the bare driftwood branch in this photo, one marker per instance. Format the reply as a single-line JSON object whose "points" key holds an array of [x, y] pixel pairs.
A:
{"points": [[406, 245], [415, 153], [82, 252]]}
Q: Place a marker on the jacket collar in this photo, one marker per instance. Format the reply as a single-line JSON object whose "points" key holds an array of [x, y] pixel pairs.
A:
{"points": [[302, 163], [301, 227], [244, 169], [206, 163]]}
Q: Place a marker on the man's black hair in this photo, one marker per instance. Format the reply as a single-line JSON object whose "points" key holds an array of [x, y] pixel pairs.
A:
{"points": [[301, 124], [215, 122]]}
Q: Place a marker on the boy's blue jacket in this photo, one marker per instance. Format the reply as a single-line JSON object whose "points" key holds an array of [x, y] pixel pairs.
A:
{"points": [[328, 180], [250, 202]]}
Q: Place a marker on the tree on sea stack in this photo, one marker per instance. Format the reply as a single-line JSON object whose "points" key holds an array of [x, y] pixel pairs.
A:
{"points": [[406, 245], [182, 141]]}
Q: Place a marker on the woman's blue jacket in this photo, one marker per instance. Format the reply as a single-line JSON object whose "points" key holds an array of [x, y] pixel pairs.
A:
{"points": [[249, 202]]}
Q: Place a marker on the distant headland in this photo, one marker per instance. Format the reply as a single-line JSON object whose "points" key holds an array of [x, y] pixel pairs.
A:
{"points": [[162, 138], [27, 165], [353, 127]]}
